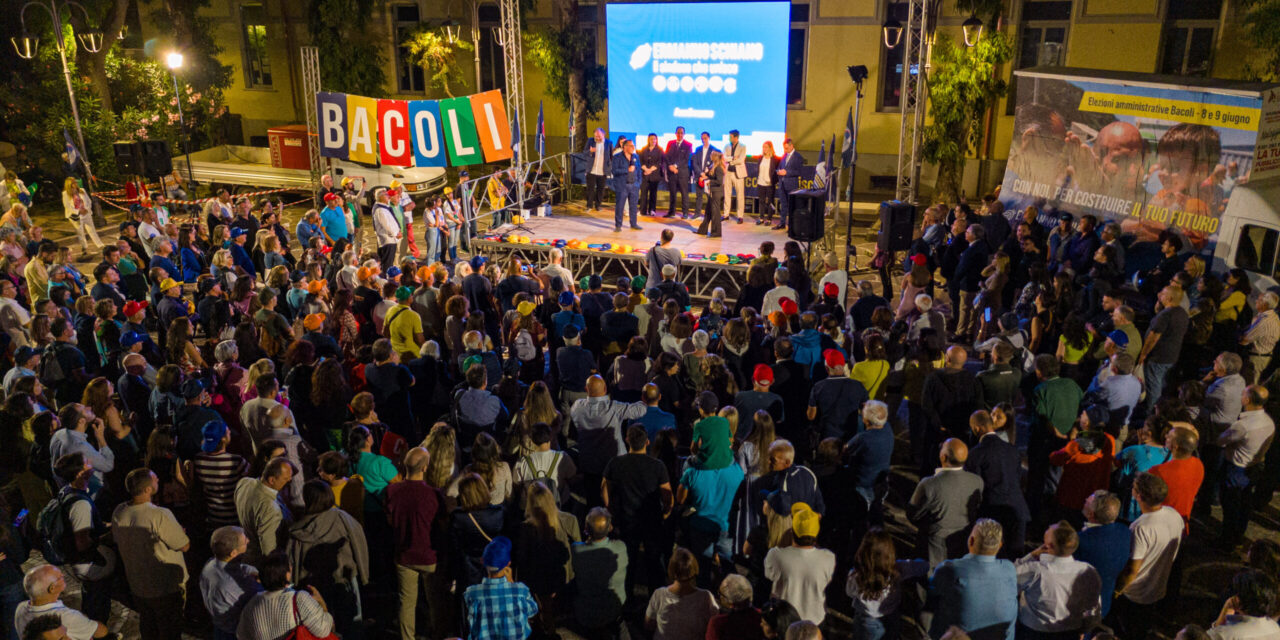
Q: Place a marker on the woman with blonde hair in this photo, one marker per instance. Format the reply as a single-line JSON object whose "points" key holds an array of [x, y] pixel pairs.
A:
{"points": [[78, 208], [258, 369], [539, 406], [442, 444], [271, 255], [542, 557]]}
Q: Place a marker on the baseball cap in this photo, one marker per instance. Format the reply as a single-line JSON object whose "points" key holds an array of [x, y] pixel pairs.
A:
{"points": [[789, 307], [831, 289], [497, 554], [638, 283], [169, 283], [524, 308], [330, 197], [297, 276], [804, 522], [316, 286], [363, 273], [833, 358], [423, 273], [477, 262], [212, 432], [762, 373], [392, 193], [777, 318], [566, 299], [1066, 216], [26, 353], [236, 232], [394, 272], [130, 338], [313, 321], [1119, 337], [920, 259], [403, 293], [192, 388]]}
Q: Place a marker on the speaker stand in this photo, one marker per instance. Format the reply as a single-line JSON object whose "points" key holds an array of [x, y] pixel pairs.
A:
{"points": [[849, 250]]}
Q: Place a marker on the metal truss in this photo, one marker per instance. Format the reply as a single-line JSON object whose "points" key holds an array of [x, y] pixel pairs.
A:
{"points": [[917, 38], [311, 86]]}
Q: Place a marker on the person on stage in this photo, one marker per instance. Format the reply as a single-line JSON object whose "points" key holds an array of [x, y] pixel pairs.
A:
{"points": [[736, 175], [766, 184], [715, 191], [701, 168], [651, 168], [788, 179], [599, 155], [626, 184], [679, 152]]}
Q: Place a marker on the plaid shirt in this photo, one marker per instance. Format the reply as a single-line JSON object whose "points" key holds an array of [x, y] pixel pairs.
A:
{"points": [[499, 610]]}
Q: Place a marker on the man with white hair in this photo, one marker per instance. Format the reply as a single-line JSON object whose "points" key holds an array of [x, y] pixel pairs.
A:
{"points": [[868, 453], [773, 298], [737, 618], [556, 268], [833, 273], [928, 318], [672, 288], [345, 279], [44, 585], [978, 591], [1262, 334]]}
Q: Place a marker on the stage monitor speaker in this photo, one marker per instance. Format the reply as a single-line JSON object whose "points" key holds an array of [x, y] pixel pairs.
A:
{"points": [[128, 158], [897, 225], [155, 159], [808, 215]]}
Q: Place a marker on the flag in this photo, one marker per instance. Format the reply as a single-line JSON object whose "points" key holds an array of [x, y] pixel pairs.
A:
{"points": [[541, 134], [515, 136], [572, 128], [73, 156], [820, 171], [833, 162], [847, 152]]}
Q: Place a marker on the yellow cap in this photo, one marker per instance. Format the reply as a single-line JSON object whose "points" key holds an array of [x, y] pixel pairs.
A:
{"points": [[395, 184], [525, 308], [804, 521]]}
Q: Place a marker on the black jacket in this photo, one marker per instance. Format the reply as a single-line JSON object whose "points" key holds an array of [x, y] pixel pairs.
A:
{"points": [[1000, 466], [972, 261]]}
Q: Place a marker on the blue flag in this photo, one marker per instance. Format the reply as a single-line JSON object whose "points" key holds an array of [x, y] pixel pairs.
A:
{"points": [[820, 171], [541, 135], [73, 155], [515, 137], [847, 152]]}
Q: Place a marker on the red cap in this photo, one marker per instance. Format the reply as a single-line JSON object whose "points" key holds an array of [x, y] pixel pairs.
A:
{"points": [[133, 306], [392, 193], [919, 259], [763, 373], [831, 289], [789, 306], [328, 197], [833, 358]]}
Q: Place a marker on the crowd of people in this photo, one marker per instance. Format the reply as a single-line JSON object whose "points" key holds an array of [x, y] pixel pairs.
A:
{"points": [[236, 439]]}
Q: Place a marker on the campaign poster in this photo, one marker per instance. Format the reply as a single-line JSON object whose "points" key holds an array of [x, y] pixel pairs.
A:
{"points": [[1151, 157]]}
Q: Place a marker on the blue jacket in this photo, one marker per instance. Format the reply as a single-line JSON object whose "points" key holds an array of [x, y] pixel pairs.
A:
{"points": [[808, 349], [976, 593], [620, 174], [192, 266], [305, 232], [792, 166], [240, 257], [968, 273], [591, 155], [167, 265], [1106, 548]]}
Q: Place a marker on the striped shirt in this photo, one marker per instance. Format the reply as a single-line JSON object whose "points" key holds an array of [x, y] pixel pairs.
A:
{"points": [[217, 474], [271, 615], [1263, 333]]}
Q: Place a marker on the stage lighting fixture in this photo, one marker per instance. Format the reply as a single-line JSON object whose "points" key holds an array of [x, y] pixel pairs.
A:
{"points": [[858, 73]]}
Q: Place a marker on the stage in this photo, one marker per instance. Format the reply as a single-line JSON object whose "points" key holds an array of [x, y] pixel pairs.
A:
{"points": [[700, 271]]}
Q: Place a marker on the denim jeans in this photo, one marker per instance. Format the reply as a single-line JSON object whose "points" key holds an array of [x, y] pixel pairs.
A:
{"points": [[1155, 374]]}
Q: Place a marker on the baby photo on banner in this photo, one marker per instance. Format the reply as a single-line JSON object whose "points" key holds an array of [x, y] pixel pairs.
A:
{"points": [[425, 133]]}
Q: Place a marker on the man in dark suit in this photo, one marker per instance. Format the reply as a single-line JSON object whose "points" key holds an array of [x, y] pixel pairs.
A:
{"points": [[788, 180], [968, 277], [599, 158], [790, 381], [676, 159], [626, 184], [651, 175], [1000, 466], [699, 170]]}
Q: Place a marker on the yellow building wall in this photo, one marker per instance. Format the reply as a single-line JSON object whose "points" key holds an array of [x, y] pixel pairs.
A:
{"points": [[1119, 46]]}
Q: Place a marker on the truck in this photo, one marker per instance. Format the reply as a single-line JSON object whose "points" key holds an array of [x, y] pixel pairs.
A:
{"points": [[1197, 158], [244, 168]]}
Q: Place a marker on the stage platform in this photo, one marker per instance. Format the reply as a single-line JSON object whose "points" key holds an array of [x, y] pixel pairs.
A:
{"points": [[570, 221]]}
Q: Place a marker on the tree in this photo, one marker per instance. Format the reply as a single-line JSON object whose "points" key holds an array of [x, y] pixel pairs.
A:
{"points": [[1261, 20], [963, 85], [351, 59], [565, 55], [193, 34], [437, 54]]}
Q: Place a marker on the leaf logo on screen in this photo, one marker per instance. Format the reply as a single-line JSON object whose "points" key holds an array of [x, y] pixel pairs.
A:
{"points": [[640, 57]]}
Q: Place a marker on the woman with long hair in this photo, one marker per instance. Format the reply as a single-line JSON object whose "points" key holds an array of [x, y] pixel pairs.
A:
{"points": [[759, 281], [995, 277], [162, 459], [1043, 328], [1073, 346], [680, 610], [330, 395], [78, 209], [486, 460], [717, 379], [735, 350], [456, 311], [179, 349], [377, 470], [190, 255], [342, 323], [666, 371], [876, 584], [919, 281], [259, 368], [527, 340], [542, 558], [539, 406], [442, 443], [630, 371], [472, 525]]}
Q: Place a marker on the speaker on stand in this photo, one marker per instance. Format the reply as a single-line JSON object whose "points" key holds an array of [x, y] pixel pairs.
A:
{"points": [[156, 161], [897, 226]]}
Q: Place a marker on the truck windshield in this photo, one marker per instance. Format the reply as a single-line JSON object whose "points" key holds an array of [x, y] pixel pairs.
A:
{"points": [[1256, 249]]}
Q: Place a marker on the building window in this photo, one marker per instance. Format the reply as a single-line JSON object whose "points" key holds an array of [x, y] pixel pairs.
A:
{"points": [[1042, 39], [492, 66], [891, 62], [797, 54], [257, 65], [589, 26], [409, 76], [1190, 31]]}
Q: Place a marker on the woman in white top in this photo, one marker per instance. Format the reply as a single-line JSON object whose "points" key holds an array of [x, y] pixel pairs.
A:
{"points": [[875, 585], [77, 208], [680, 611], [430, 222]]}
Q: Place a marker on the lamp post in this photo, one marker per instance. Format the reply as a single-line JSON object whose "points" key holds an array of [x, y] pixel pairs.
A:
{"points": [[174, 62], [25, 45]]}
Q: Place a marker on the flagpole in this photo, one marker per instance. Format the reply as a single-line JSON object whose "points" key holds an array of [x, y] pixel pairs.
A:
{"points": [[853, 170]]}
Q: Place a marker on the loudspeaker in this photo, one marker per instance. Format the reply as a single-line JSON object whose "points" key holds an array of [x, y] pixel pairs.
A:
{"points": [[808, 215], [156, 161], [897, 224], [128, 158]]}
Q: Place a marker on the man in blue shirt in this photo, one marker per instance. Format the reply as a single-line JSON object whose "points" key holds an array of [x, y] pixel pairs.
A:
{"points": [[979, 592], [566, 316], [161, 259], [308, 228], [1104, 543], [710, 492], [333, 223], [239, 254], [1120, 390], [868, 453], [498, 608], [654, 419]]}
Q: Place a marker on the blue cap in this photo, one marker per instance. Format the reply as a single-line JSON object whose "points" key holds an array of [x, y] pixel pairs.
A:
{"points": [[1119, 337], [131, 338], [236, 232], [393, 272], [24, 354], [595, 282], [213, 432], [566, 299], [192, 388], [477, 262], [497, 554]]}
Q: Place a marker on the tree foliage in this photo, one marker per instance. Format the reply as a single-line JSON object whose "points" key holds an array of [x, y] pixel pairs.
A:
{"points": [[963, 85], [180, 20], [572, 76], [437, 54], [351, 61], [1261, 20]]}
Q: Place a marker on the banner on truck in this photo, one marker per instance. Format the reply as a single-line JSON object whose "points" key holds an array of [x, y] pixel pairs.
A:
{"points": [[1151, 158], [426, 133]]}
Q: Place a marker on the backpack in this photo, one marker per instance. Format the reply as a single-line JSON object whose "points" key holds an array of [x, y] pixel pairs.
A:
{"points": [[545, 476], [1022, 356], [54, 526], [50, 370]]}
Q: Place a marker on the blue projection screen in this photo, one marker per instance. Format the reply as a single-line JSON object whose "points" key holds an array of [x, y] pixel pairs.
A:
{"points": [[709, 66]]}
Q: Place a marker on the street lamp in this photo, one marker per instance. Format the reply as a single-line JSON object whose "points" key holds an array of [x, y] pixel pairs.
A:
{"points": [[174, 60], [972, 31], [892, 32], [26, 44]]}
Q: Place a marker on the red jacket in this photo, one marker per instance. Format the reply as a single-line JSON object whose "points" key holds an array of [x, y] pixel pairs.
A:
{"points": [[1082, 473]]}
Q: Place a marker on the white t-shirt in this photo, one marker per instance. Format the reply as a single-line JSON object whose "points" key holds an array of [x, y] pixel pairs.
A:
{"points": [[1156, 537], [773, 299], [79, 626], [681, 617], [800, 576], [841, 278]]}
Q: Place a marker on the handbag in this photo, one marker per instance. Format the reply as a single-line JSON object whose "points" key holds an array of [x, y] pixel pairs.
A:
{"points": [[301, 632]]}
